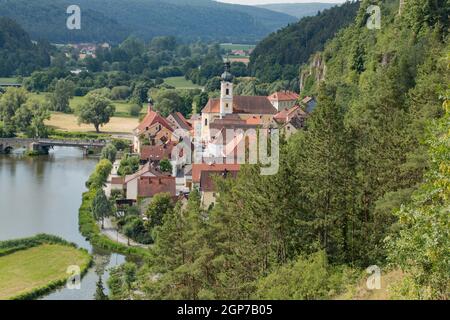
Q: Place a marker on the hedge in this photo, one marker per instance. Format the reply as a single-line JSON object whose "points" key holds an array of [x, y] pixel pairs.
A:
{"points": [[12, 246]]}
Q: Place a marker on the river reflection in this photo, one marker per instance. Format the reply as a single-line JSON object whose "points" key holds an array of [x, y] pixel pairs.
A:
{"points": [[43, 195]]}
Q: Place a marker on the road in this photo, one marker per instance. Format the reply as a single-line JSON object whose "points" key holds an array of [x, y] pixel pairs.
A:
{"points": [[111, 232]]}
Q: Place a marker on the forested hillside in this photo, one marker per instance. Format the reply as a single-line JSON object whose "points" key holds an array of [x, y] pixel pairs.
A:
{"points": [[298, 10], [280, 54], [18, 55], [368, 183], [114, 20]]}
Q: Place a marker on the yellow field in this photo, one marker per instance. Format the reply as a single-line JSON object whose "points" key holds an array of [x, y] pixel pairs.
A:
{"points": [[69, 122], [31, 269]]}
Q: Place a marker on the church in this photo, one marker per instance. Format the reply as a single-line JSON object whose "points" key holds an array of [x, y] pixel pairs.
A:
{"points": [[234, 112]]}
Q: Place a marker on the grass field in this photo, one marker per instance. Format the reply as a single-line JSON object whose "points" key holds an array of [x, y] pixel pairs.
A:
{"points": [[28, 270], [8, 80], [122, 107], [233, 46], [181, 83], [69, 122]]}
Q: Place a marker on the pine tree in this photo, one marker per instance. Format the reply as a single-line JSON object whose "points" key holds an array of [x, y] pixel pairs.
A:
{"points": [[100, 291]]}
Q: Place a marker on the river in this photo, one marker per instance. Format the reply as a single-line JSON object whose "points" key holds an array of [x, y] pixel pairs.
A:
{"points": [[43, 195]]}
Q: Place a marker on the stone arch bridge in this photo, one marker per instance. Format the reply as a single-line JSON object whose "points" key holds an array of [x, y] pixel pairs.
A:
{"points": [[44, 145]]}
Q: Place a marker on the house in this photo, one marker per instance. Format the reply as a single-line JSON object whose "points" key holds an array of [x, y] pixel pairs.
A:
{"points": [[179, 122], [203, 179], [291, 120], [156, 153], [148, 187], [283, 99], [153, 130], [132, 183]]}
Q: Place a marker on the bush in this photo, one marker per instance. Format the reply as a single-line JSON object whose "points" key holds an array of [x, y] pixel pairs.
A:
{"points": [[109, 152], [120, 93], [135, 110], [121, 144], [128, 165], [308, 278]]}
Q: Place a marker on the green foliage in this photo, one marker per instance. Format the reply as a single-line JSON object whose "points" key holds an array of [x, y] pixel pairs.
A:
{"points": [[161, 205], [109, 152], [134, 227], [101, 207], [128, 165], [422, 246], [288, 48], [112, 21], [18, 55], [19, 114], [135, 110], [310, 278], [165, 166], [97, 110], [100, 175], [121, 281], [60, 98], [100, 291]]}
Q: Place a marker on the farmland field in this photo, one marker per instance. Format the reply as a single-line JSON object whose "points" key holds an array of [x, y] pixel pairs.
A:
{"points": [[232, 46], [122, 107], [8, 80], [69, 122], [181, 83]]}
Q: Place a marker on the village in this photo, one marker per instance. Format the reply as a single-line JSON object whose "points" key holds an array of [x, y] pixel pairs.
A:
{"points": [[177, 155]]}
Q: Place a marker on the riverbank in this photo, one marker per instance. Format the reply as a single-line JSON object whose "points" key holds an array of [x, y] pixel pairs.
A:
{"points": [[33, 267], [91, 231]]}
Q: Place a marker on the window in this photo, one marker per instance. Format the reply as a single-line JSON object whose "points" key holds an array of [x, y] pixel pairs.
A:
{"points": [[206, 122], [228, 92], [226, 106]]}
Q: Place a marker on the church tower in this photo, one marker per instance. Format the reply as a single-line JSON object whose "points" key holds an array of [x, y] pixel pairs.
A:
{"points": [[226, 92]]}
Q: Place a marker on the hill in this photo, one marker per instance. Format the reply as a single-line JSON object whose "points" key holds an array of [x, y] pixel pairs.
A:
{"points": [[114, 20], [18, 55], [298, 10], [281, 53]]}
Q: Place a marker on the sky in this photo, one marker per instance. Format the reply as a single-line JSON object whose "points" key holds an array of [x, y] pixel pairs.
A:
{"points": [[252, 2]]}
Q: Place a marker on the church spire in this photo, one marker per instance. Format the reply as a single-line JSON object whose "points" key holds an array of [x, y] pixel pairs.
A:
{"points": [[226, 91]]}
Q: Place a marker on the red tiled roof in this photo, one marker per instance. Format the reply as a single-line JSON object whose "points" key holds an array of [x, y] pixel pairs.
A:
{"points": [[287, 114], [197, 169], [157, 153], [147, 168], [181, 121], [207, 179], [243, 104], [152, 118], [150, 186], [284, 96]]}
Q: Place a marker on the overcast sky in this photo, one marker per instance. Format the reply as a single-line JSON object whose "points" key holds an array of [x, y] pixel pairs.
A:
{"points": [[250, 2]]}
